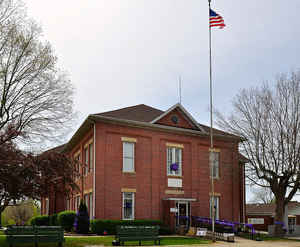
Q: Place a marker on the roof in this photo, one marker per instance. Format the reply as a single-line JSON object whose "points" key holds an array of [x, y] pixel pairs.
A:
{"points": [[148, 114], [57, 149], [143, 116], [268, 209], [142, 113]]}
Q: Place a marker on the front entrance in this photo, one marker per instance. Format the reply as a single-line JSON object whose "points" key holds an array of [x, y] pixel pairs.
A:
{"points": [[177, 212], [183, 213]]}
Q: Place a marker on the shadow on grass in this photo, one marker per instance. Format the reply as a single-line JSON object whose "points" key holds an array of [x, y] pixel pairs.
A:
{"points": [[107, 241]]}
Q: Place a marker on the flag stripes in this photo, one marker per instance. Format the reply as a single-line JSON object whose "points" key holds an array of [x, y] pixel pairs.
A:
{"points": [[215, 20]]}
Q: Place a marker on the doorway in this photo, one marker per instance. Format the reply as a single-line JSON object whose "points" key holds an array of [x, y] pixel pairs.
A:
{"points": [[183, 213]]}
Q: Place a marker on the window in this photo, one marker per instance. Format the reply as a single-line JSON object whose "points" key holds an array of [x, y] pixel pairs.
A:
{"points": [[128, 206], [91, 205], [174, 161], [86, 199], [215, 157], [77, 202], [214, 200], [77, 159], [86, 165], [68, 204], [91, 157], [128, 157], [47, 206]]}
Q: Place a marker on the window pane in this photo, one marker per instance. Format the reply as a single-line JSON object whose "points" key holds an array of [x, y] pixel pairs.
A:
{"points": [[128, 165], [86, 165], [174, 161], [215, 202], [91, 205], [128, 206], [128, 157], [128, 149], [91, 156]]}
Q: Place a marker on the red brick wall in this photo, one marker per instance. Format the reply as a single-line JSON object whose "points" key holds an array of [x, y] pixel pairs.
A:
{"points": [[268, 220], [150, 177]]}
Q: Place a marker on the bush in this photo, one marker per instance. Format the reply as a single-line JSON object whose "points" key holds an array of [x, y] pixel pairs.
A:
{"points": [[11, 222], [41, 220], [82, 219], [53, 221], [66, 220], [98, 226], [165, 230]]}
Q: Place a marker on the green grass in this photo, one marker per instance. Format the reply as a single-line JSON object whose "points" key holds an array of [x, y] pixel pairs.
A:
{"points": [[107, 241], [264, 237]]}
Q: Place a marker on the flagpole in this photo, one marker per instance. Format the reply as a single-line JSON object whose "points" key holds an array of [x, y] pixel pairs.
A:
{"points": [[211, 135]]}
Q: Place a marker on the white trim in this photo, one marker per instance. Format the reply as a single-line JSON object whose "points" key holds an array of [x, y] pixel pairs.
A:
{"points": [[94, 171], [184, 111], [132, 144], [133, 205], [180, 199]]}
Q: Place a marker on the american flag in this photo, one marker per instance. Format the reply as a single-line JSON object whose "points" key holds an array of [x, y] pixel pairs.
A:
{"points": [[215, 20]]}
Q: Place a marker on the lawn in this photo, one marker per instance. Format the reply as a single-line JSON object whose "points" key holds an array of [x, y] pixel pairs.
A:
{"points": [[264, 237], [107, 241]]}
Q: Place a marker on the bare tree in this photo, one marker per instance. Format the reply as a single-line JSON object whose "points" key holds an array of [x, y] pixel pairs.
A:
{"points": [[35, 96], [262, 195], [268, 119]]}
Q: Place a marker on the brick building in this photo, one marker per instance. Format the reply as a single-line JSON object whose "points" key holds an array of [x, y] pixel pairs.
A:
{"points": [[262, 216], [144, 163]]}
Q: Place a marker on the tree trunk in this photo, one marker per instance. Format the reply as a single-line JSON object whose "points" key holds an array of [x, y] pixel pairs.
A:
{"points": [[279, 217]]}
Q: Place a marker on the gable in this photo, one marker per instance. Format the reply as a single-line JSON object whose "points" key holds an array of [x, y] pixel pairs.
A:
{"points": [[177, 118]]}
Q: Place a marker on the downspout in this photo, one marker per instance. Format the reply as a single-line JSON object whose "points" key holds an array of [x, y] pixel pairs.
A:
{"points": [[94, 171]]}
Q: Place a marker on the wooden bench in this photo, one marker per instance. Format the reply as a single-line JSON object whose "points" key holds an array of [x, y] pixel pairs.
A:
{"points": [[34, 234], [137, 233]]}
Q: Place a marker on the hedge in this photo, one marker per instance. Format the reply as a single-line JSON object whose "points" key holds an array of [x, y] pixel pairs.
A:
{"points": [[66, 220], [41, 220], [99, 226], [53, 220]]}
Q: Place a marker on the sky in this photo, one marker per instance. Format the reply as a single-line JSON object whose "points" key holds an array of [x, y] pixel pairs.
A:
{"points": [[120, 53]]}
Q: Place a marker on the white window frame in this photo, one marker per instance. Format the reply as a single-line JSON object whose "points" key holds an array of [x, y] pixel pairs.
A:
{"points": [[91, 205], [172, 159], [216, 200], [47, 206], [91, 156], [77, 203], [86, 160], [123, 205], [77, 158], [216, 164], [86, 199], [125, 157]]}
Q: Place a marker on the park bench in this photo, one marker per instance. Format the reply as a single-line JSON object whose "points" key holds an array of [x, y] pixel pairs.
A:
{"points": [[34, 234], [137, 233]]}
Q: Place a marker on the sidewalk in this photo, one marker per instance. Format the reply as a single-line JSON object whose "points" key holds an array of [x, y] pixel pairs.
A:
{"points": [[241, 242]]}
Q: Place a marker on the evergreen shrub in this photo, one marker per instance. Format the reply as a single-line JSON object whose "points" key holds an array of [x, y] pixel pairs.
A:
{"points": [[66, 219], [82, 219]]}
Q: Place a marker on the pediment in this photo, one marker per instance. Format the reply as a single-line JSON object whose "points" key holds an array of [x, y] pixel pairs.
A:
{"points": [[178, 117]]}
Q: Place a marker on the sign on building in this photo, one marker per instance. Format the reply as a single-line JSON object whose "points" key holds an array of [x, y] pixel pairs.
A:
{"points": [[176, 183], [256, 221]]}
